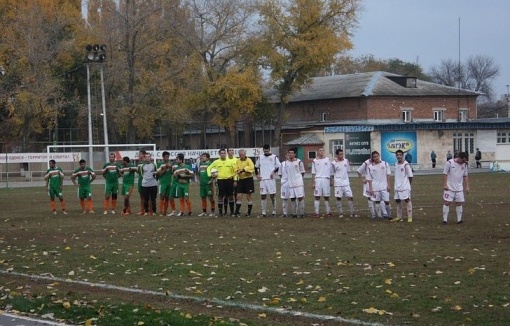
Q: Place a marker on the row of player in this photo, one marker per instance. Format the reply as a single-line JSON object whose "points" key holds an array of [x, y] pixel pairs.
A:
{"points": [[232, 178]]}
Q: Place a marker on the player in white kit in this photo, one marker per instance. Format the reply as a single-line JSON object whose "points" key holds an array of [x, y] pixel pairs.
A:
{"points": [[266, 168], [321, 182], [378, 177], [340, 168], [295, 171], [362, 173], [403, 179], [455, 182], [284, 186]]}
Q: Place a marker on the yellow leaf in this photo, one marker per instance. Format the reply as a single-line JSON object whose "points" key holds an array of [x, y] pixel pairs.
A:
{"points": [[291, 300], [389, 291], [66, 305], [303, 300], [67, 248], [92, 257], [322, 299], [471, 270], [188, 316], [390, 264], [394, 296], [371, 310], [456, 308], [300, 282], [388, 281], [140, 323], [275, 301], [262, 315]]}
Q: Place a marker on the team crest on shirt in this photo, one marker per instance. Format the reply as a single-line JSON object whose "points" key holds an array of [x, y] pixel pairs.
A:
{"points": [[402, 169]]}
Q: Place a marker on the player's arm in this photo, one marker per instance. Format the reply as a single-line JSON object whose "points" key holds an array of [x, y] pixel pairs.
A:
{"points": [[445, 182], [302, 168], [73, 178], [466, 183], [388, 177], [409, 173], [92, 176], [210, 167]]}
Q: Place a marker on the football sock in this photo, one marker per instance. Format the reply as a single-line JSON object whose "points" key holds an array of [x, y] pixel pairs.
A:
{"points": [[371, 208], [284, 206], [52, 205], [161, 203], [351, 207], [378, 209], [339, 206], [238, 208], [82, 203], [388, 210], [301, 204], [263, 204], [399, 210], [181, 205], [106, 203], [446, 210], [231, 205], [250, 206], [204, 205], [188, 205], [409, 205], [63, 204], [328, 207], [316, 204], [458, 210], [220, 207], [114, 204], [172, 204], [90, 204]]}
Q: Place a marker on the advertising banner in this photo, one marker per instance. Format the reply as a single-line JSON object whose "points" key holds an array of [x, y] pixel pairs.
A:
{"points": [[393, 141], [357, 147], [39, 157]]}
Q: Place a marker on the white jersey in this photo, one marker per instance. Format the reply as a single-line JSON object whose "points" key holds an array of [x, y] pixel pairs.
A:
{"points": [[294, 171], [402, 174], [321, 167], [340, 170], [455, 173], [378, 174], [363, 169], [267, 165], [282, 172]]}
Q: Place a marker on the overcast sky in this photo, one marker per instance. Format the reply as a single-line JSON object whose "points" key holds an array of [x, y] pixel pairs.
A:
{"points": [[427, 31]]}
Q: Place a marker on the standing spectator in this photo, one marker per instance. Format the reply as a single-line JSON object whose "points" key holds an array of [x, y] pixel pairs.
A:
{"points": [[403, 179], [85, 177], [206, 185], [478, 157], [378, 177], [449, 156], [362, 173], [141, 159], [54, 182], [456, 153], [111, 173], [321, 182], [148, 172], [455, 181], [128, 183], [340, 169], [230, 156], [266, 168], [184, 173], [433, 157], [245, 185], [284, 185], [295, 170], [225, 180]]}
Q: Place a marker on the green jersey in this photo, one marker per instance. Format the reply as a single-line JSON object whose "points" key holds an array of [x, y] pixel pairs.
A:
{"points": [[202, 173], [54, 176], [111, 172], [164, 173], [84, 176], [183, 173], [128, 174]]}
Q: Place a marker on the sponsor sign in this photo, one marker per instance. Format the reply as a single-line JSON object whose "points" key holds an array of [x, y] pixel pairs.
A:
{"points": [[39, 157], [393, 141], [357, 147]]}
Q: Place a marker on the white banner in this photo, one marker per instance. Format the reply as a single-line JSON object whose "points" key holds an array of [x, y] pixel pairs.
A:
{"points": [[189, 154], [39, 157]]}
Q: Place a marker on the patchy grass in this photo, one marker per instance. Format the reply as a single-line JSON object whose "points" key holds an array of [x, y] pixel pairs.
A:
{"points": [[373, 271]]}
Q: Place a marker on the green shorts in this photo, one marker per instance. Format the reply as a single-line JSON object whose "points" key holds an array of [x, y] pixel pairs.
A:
{"points": [[55, 191], [127, 189], [84, 192], [111, 189], [164, 190], [182, 190], [206, 190]]}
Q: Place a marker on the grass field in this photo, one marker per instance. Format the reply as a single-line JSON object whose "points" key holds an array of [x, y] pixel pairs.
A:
{"points": [[358, 269]]}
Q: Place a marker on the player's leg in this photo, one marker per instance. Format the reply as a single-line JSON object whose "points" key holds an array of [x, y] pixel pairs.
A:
{"points": [[447, 201], [107, 195], [459, 201], [263, 198], [115, 193], [409, 208], [398, 202]]}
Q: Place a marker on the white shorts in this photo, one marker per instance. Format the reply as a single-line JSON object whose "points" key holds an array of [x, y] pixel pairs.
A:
{"points": [[322, 187], [297, 192], [453, 196], [343, 191], [382, 195], [284, 190], [268, 187], [403, 194]]}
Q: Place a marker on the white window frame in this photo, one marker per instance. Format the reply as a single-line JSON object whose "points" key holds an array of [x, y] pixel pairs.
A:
{"points": [[438, 115], [463, 115], [407, 115], [335, 144], [324, 116], [503, 137], [310, 155]]}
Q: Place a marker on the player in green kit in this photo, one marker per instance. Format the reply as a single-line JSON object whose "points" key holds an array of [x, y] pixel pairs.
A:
{"points": [[128, 183], [111, 172], [54, 181], [173, 190], [85, 177], [165, 182], [206, 185], [183, 173]]}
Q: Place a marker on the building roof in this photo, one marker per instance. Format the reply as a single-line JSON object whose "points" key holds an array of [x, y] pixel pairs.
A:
{"points": [[306, 139], [369, 84]]}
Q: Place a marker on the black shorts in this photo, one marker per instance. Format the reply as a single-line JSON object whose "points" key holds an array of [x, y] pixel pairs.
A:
{"points": [[225, 187], [245, 186]]}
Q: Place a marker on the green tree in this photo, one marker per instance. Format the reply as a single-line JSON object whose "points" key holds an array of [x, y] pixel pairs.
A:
{"points": [[36, 45], [299, 38]]}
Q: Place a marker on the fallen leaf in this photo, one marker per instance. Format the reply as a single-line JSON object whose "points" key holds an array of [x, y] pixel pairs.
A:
{"points": [[321, 299], [262, 315]]}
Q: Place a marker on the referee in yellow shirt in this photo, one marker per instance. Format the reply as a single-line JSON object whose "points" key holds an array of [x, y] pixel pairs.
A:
{"points": [[245, 170], [227, 180]]}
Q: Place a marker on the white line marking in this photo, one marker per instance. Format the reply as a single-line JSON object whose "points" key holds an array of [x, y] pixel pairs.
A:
{"points": [[40, 321], [215, 301]]}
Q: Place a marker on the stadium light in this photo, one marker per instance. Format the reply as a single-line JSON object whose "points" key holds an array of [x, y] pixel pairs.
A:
{"points": [[97, 54]]}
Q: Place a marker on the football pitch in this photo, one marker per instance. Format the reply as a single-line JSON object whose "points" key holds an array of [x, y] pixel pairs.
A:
{"points": [[269, 271]]}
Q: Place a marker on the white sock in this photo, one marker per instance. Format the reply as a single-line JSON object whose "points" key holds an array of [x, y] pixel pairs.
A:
{"points": [[378, 209], [446, 210], [458, 210], [351, 207], [328, 208], [388, 210], [371, 207], [302, 206], [409, 209], [382, 205], [263, 206], [339, 206], [399, 210], [284, 206], [316, 204]]}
